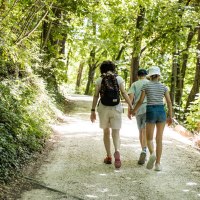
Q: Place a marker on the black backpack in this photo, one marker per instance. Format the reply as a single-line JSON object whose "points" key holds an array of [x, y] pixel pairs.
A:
{"points": [[109, 92]]}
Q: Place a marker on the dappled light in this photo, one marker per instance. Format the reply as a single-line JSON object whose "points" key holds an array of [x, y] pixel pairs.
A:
{"points": [[193, 188], [76, 166], [91, 196], [82, 98], [51, 55], [191, 184], [186, 190], [103, 174]]}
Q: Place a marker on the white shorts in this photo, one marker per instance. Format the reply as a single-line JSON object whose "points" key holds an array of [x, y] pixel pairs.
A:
{"points": [[109, 117]]}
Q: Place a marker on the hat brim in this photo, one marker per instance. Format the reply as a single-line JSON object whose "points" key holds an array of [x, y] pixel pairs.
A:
{"points": [[149, 75]]}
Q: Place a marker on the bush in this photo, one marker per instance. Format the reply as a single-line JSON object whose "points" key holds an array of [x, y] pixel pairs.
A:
{"points": [[25, 114], [193, 117]]}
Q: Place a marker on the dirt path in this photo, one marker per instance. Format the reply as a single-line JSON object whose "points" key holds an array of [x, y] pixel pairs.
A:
{"points": [[74, 169]]}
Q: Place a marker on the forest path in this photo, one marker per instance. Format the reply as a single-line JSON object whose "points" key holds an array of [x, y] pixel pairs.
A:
{"points": [[74, 168]]}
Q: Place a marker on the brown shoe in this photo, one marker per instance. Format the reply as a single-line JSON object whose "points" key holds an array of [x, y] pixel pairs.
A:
{"points": [[108, 160], [142, 158]]}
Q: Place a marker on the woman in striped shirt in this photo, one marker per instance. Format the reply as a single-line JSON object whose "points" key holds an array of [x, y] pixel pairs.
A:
{"points": [[155, 114]]}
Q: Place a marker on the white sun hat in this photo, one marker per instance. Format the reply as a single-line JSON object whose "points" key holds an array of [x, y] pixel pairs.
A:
{"points": [[154, 71]]}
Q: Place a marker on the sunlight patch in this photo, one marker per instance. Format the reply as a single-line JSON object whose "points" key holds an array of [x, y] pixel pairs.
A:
{"points": [[103, 174], [127, 178], [127, 145], [181, 146], [91, 196], [104, 190], [191, 183], [113, 195], [167, 142], [89, 186], [186, 190]]}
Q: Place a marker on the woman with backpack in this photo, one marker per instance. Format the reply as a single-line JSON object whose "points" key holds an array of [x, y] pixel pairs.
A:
{"points": [[155, 114], [107, 99]]}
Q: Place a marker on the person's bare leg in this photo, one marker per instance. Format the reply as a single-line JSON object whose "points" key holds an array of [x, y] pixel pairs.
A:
{"points": [[149, 132], [143, 140], [143, 154], [116, 142], [159, 135], [106, 139], [149, 135], [116, 139]]}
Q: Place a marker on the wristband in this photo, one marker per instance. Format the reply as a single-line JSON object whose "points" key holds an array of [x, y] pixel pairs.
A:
{"points": [[92, 110]]}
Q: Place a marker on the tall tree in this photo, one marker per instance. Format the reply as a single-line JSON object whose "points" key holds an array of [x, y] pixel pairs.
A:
{"points": [[196, 84], [181, 73], [137, 44], [79, 75]]}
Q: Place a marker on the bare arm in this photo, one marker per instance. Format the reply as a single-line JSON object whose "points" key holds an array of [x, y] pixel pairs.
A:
{"points": [[94, 103], [125, 95], [169, 105], [131, 97], [139, 103]]}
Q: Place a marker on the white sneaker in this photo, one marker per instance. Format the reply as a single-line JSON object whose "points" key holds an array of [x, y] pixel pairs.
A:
{"points": [[158, 167], [152, 159]]}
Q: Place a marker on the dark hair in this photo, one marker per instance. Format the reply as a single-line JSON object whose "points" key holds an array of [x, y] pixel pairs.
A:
{"points": [[142, 72], [154, 76], [106, 66]]}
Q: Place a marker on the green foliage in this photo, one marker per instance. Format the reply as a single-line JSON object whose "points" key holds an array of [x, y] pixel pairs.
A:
{"points": [[25, 112], [193, 117]]}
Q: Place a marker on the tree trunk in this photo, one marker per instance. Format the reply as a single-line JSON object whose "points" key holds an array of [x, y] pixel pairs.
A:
{"points": [[92, 64], [90, 79], [79, 76], [91, 72], [120, 53], [174, 76], [137, 46], [67, 61], [196, 84], [181, 76]]}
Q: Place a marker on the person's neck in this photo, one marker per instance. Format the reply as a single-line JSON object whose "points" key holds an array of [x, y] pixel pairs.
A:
{"points": [[141, 78], [155, 80]]}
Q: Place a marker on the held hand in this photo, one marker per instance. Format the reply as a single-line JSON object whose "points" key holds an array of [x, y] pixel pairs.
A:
{"points": [[93, 117], [133, 112], [129, 115], [169, 121]]}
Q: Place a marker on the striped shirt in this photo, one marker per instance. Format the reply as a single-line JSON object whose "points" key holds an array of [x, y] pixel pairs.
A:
{"points": [[155, 92]]}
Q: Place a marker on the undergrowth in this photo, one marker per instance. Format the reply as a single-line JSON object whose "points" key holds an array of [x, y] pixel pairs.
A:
{"points": [[26, 110]]}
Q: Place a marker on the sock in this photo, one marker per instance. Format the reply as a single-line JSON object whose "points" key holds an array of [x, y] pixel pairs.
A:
{"points": [[144, 149]]}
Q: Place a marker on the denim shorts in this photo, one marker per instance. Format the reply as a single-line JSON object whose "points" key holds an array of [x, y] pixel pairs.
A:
{"points": [[155, 114]]}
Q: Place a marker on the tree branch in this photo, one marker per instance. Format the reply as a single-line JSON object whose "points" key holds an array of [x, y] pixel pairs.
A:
{"points": [[36, 26], [28, 22]]}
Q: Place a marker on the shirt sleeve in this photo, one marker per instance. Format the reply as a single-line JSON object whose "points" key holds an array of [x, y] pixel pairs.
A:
{"points": [[143, 87], [131, 89], [98, 81], [166, 89], [120, 80]]}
